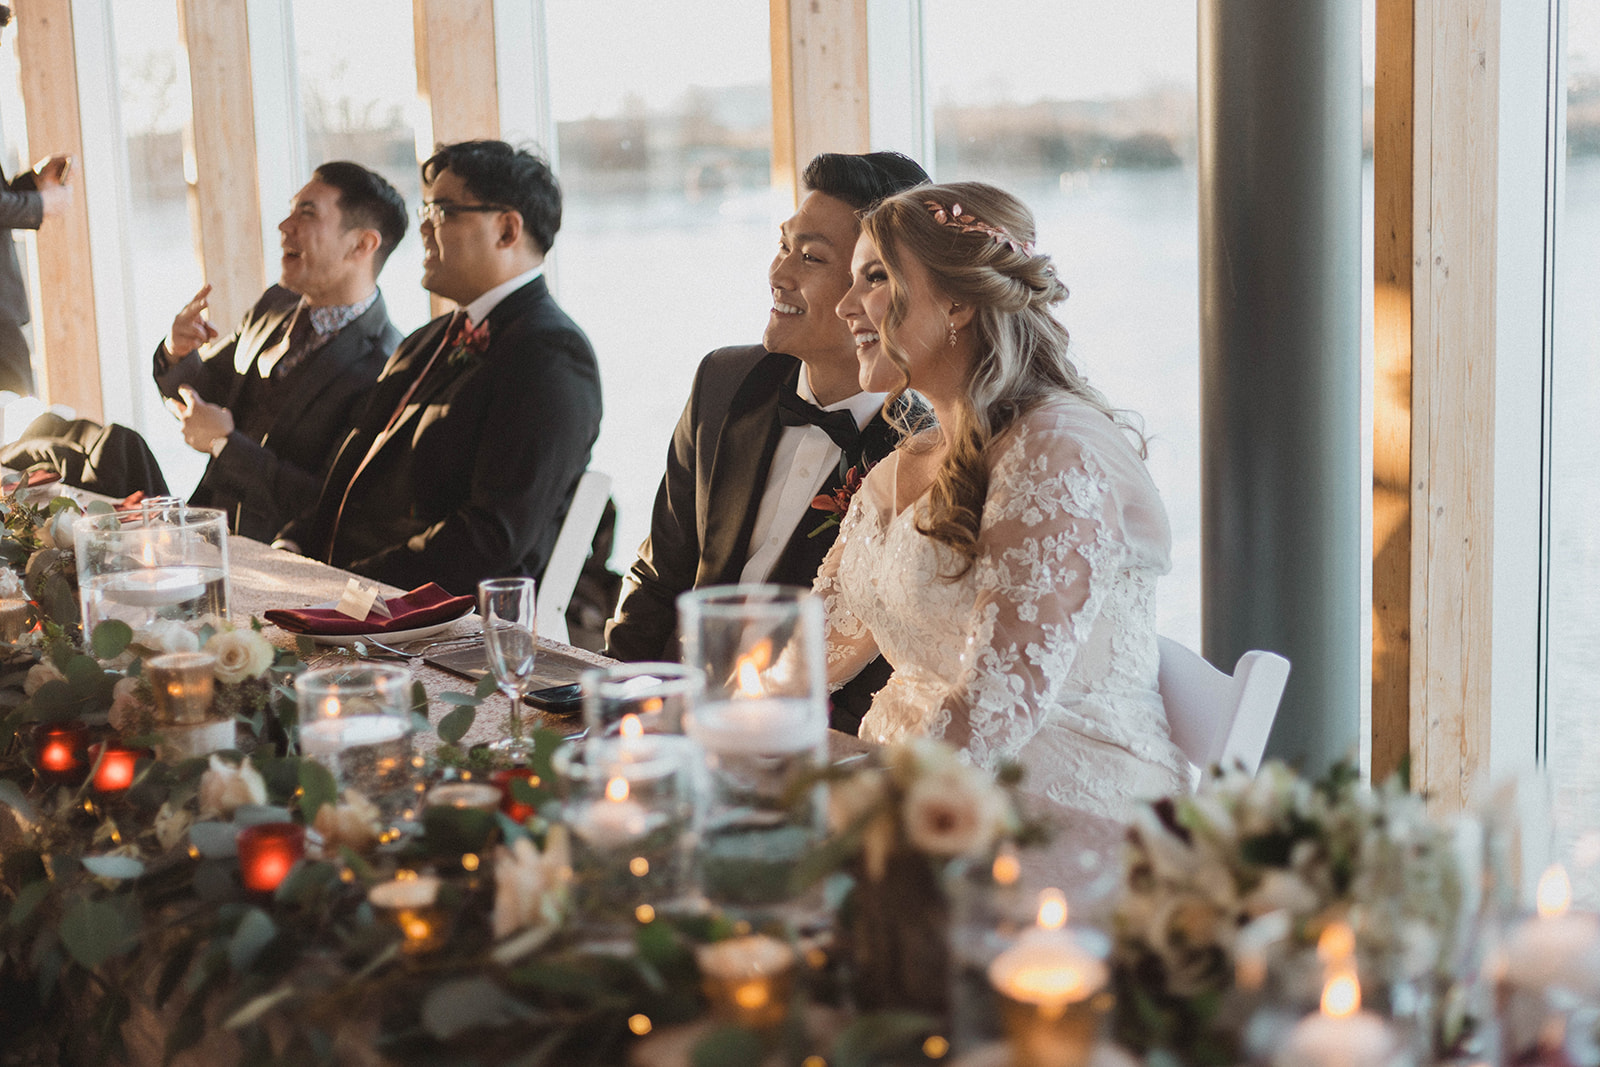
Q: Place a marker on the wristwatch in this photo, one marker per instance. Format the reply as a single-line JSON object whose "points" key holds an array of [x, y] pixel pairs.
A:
{"points": [[217, 445]]}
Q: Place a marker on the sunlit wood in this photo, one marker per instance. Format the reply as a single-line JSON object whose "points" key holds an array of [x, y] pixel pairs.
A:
{"points": [[64, 331], [819, 83]]}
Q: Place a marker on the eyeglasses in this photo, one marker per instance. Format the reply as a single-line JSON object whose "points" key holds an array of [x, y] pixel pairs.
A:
{"points": [[434, 212]]}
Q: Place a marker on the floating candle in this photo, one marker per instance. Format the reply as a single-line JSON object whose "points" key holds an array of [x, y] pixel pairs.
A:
{"points": [[1045, 982], [615, 821], [1558, 947], [748, 979], [411, 904], [155, 587], [328, 737], [267, 852], [464, 795], [1339, 1034]]}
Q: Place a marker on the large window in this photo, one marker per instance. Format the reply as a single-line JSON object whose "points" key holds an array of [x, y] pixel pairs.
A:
{"points": [[1571, 742], [664, 145]]}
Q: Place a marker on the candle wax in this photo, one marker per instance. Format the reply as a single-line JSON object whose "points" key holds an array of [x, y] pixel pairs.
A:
{"points": [[759, 726], [1556, 950], [1319, 1040], [609, 824], [155, 587], [1048, 968]]}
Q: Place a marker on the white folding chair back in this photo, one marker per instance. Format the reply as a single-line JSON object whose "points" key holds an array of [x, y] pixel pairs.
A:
{"points": [[1217, 718], [571, 551], [16, 412]]}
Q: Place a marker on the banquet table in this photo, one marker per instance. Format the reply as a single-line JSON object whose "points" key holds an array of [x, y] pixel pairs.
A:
{"points": [[263, 578]]}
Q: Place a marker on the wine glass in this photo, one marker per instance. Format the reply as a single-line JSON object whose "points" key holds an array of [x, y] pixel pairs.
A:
{"points": [[509, 642]]}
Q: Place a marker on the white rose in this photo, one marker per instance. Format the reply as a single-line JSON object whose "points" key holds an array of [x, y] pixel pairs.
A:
{"points": [[224, 788], [11, 585], [918, 756], [57, 531], [40, 673], [355, 824], [241, 654], [956, 812], [166, 635], [171, 824], [126, 706], [530, 888], [1282, 891]]}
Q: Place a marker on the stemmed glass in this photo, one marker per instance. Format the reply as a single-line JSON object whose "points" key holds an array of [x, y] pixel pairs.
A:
{"points": [[509, 642]]}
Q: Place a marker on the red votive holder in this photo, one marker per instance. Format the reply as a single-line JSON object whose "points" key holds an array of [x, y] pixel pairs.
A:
{"points": [[61, 749], [116, 766], [514, 809], [267, 852]]}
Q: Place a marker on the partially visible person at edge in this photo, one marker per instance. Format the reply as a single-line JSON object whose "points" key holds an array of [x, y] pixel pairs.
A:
{"points": [[466, 459], [26, 201], [774, 435], [1006, 560], [273, 400]]}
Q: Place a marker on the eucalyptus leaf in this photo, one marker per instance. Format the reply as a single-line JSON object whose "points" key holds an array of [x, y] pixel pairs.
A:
{"points": [[254, 933], [29, 898], [99, 507], [470, 1004], [96, 930], [881, 1036], [83, 675], [119, 868], [460, 700], [317, 788], [454, 726], [486, 687], [305, 645], [110, 638], [215, 840], [257, 1007], [13, 796], [256, 814], [419, 699], [727, 1046]]}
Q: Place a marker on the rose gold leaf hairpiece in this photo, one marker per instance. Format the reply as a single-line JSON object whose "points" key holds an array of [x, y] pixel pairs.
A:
{"points": [[972, 224]]}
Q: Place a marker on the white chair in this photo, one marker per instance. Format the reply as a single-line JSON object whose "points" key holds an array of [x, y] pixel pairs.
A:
{"points": [[571, 551], [1217, 718]]}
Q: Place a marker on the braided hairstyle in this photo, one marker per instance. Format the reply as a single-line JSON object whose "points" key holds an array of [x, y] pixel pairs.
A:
{"points": [[976, 243]]}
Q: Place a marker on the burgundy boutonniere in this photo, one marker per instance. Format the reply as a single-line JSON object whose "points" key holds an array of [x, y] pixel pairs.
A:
{"points": [[837, 502], [468, 342]]}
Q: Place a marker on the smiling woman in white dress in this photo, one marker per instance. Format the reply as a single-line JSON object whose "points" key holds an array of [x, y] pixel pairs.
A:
{"points": [[1004, 562]]}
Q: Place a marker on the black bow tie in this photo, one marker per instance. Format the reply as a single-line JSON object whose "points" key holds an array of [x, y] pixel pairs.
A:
{"points": [[838, 425]]}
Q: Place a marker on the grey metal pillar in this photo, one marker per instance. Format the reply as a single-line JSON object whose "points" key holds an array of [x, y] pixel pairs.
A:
{"points": [[1280, 351]]}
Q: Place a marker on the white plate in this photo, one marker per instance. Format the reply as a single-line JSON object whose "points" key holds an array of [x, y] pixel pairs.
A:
{"points": [[393, 637]]}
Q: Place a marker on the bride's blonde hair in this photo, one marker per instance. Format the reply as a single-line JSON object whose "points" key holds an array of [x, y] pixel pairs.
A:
{"points": [[976, 243]]}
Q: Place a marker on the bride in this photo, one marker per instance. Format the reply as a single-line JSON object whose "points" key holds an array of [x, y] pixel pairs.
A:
{"points": [[1004, 562]]}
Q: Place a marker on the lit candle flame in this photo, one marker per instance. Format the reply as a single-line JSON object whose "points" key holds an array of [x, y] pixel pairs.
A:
{"points": [[617, 789], [148, 555], [330, 708], [747, 672], [1052, 909], [1554, 895], [1341, 996], [632, 728]]}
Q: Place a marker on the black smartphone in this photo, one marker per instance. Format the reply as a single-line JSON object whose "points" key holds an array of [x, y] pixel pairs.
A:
{"points": [[557, 699]]}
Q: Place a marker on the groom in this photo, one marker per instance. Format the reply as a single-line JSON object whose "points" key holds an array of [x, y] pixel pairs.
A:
{"points": [[768, 429]]}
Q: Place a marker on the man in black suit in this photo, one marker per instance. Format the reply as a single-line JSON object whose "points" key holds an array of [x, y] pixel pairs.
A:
{"points": [[756, 443], [481, 425], [272, 402], [25, 202]]}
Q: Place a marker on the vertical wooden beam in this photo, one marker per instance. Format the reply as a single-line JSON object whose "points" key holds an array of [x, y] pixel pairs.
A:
{"points": [[1391, 418], [819, 83], [220, 139], [456, 70], [1455, 162], [65, 332]]}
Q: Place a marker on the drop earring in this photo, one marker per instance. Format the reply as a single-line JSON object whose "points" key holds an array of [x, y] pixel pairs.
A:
{"points": [[952, 335]]}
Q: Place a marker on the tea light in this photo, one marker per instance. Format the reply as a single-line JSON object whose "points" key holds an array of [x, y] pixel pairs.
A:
{"points": [[1339, 1034], [1046, 982], [155, 587], [183, 685], [1559, 947], [115, 768], [13, 620], [267, 852], [62, 748], [464, 795], [514, 809], [613, 822], [748, 979], [329, 737], [411, 904]]}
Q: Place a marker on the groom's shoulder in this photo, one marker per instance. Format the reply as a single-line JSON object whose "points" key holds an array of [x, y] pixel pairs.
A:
{"points": [[733, 371]]}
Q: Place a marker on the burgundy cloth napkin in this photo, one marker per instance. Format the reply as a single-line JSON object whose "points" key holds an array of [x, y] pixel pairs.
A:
{"points": [[34, 479], [425, 605], [130, 502]]}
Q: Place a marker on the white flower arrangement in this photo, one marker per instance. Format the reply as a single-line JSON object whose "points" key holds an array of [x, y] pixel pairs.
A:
{"points": [[241, 654], [354, 824], [531, 887], [224, 788], [1207, 875]]}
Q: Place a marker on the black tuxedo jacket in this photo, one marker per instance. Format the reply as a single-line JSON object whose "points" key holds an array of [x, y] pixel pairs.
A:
{"points": [[263, 484], [473, 480], [717, 470], [21, 208]]}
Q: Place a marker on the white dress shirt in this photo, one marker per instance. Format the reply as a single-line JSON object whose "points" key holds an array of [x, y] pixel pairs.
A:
{"points": [[804, 458], [479, 309]]}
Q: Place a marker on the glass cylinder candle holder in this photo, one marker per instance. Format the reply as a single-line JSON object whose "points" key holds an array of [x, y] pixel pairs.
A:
{"points": [[356, 721], [153, 568], [61, 750], [182, 685], [629, 805], [114, 766], [268, 852], [748, 980], [761, 729], [412, 906], [1051, 991], [650, 698], [1548, 995]]}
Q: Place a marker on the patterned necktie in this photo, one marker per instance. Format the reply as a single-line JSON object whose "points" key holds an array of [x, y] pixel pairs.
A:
{"points": [[840, 426], [300, 343]]}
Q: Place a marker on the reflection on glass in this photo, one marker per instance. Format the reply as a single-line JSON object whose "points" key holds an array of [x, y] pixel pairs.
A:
{"points": [[1572, 745], [664, 146]]}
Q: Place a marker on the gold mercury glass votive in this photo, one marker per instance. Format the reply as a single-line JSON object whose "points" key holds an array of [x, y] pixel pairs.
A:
{"points": [[1051, 992], [411, 904], [748, 979], [183, 685], [13, 620]]}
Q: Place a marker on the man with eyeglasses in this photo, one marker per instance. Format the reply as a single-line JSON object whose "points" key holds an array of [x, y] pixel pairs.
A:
{"points": [[481, 425], [272, 401]]}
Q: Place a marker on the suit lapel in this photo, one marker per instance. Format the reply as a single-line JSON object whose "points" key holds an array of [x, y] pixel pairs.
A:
{"points": [[257, 353], [739, 471], [327, 363]]}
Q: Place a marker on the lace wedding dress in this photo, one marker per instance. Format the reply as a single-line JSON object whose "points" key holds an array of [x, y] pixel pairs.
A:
{"points": [[1044, 652]]}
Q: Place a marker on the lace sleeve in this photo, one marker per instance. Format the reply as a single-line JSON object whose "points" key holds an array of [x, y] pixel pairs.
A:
{"points": [[1057, 529], [850, 644]]}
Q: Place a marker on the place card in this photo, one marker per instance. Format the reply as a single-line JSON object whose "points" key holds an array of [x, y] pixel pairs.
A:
{"points": [[361, 600]]}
